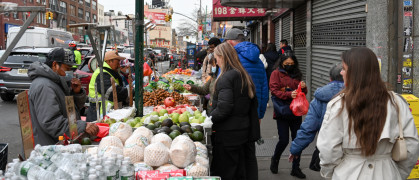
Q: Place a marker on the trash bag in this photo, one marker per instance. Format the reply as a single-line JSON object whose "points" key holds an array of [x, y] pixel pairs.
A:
{"points": [[299, 106], [147, 70]]}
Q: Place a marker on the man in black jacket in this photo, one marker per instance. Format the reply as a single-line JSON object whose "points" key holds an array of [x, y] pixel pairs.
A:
{"points": [[283, 45]]}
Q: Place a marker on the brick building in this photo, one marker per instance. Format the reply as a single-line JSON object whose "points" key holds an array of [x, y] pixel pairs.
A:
{"points": [[65, 12]]}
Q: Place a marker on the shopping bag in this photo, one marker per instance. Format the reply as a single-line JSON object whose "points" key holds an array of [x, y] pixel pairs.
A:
{"points": [[103, 131], [147, 70], [299, 106]]}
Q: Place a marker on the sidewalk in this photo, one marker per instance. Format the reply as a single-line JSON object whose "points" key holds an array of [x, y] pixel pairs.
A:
{"points": [[265, 151]]}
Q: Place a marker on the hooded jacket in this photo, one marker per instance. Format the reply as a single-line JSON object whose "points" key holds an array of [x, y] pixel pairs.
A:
{"points": [[314, 118], [47, 104], [271, 58], [249, 57]]}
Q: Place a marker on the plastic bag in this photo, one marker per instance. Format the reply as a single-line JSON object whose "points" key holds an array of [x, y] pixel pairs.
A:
{"points": [[299, 106], [103, 131], [147, 70]]}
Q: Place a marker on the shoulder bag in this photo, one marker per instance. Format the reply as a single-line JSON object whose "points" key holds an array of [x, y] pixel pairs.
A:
{"points": [[399, 151]]}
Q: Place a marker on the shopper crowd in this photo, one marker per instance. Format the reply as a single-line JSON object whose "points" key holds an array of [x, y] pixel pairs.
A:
{"points": [[357, 118]]}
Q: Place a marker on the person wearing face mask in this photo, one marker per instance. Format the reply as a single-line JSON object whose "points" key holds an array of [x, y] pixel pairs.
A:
{"points": [[47, 94], [110, 70], [283, 84], [206, 66], [125, 65], [208, 88]]}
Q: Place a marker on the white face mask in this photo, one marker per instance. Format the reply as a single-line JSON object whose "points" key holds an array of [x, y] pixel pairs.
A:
{"points": [[126, 71], [213, 69]]}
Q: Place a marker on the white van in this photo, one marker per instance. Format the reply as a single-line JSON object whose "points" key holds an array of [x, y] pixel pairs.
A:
{"points": [[40, 37]]}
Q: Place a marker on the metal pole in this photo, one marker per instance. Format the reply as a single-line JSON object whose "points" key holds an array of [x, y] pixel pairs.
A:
{"points": [[139, 48], [102, 86], [18, 36]]}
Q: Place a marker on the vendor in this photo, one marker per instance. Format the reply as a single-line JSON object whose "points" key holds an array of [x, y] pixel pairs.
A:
{"points": [[110, 70], [125, 66], [50, 85]]}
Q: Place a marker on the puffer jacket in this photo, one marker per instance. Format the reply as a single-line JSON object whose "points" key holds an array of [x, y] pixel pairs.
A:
{"points": [[231, 109], [249, 58], [314, 118], [47, 104]]}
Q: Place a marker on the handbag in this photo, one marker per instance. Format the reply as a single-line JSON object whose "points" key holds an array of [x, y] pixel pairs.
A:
{"points": [[399, 151]]}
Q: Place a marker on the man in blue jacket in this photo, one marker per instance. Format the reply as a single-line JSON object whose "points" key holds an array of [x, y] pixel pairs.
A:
{"points": [[249, 57], [314, 118]]}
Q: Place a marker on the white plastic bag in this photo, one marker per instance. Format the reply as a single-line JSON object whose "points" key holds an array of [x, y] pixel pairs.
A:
{"points": [[121, 114]]}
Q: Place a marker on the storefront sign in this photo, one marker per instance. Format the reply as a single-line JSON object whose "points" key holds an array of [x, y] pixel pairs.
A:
{"points": [[155, 18], [7, 26], [223, 11], [25, 123]]}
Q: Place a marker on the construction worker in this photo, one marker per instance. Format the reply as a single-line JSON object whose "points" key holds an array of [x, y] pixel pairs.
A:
{"points": [[73, 46], [110, 70]]}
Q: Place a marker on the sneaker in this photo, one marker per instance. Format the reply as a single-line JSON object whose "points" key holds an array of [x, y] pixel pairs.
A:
{"points": [[274, 166], [298, 173]]}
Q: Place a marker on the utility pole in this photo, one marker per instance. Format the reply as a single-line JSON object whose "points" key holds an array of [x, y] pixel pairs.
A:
{"points": [[139, 61]]}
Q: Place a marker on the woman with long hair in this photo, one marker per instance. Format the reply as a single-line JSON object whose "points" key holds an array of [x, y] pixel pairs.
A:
{"points": [[361, 125], [284, 81], [234, 116]]}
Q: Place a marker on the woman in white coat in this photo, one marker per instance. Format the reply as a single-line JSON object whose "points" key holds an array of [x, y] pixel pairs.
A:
{"points": [[361, 124]]}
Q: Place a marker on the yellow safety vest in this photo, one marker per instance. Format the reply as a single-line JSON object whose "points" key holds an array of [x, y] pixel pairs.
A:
{"points": [[92, 83]]}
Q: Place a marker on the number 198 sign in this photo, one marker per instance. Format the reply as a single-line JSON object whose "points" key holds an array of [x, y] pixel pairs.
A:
{"points": [[223, 11]]}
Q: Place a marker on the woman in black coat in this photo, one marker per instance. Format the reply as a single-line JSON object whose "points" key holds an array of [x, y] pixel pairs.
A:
{"points": [[271, 57], [235, 119]]}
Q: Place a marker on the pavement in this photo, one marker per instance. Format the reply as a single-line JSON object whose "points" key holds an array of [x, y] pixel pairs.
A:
{"points": [[270, 135]]}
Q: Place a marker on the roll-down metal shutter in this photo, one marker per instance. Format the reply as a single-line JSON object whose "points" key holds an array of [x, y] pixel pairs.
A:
{"points": [[277, 35], [300, 22], [286, 27], [337, 25]]}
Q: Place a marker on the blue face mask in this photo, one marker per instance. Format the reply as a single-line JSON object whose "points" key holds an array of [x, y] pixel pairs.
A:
{"points": [[213, 69]]}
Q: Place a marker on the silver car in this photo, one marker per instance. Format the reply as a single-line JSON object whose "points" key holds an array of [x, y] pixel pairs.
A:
{"points": [[14, 72]]}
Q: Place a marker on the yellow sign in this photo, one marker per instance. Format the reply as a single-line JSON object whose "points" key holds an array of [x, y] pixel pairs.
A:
{"points": [[407, 63]]}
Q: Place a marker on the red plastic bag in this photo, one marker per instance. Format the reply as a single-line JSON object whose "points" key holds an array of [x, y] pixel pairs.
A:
{"points": [[147, 70], [299, 106], [103, 131]]}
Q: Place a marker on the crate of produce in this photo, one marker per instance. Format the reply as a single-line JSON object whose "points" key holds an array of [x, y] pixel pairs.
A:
{"points": [[3, 155]]}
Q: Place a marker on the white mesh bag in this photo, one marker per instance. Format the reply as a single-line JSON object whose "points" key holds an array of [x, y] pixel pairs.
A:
{"points": [[196, 170], [182, 152], [134, 152], [110, 141], [121, 130], [167, 168], [156, 154], [144, 132], [163, 138]]}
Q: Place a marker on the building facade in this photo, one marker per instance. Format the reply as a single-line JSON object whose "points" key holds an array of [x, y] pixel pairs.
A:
{"points": [[64, 12], [101, 14]]}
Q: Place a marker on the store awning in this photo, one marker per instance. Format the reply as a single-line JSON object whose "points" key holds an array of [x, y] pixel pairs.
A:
{"points": [[269, 4]]}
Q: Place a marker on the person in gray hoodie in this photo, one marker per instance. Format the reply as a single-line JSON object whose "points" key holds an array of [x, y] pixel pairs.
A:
{"points": [[50, 85]]}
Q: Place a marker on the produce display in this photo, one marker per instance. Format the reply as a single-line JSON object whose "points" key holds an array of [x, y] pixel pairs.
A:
{"points": [[158, 96], [187, 72], [173, 83], [162, 151]]}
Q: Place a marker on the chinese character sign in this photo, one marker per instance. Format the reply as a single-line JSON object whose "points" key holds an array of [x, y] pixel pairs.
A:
{"points": [[223, 11]]}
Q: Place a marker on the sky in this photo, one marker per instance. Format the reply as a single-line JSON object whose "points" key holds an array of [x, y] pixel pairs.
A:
{"points": [[185, 7]]}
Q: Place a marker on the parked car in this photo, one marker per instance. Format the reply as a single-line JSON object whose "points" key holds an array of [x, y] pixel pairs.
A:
{"points": [[14, 72], [85, 51]]}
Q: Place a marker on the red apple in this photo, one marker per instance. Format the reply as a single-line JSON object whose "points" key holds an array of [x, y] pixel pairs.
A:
{"points": [[193, 108], [169, 102], [182, 110]]}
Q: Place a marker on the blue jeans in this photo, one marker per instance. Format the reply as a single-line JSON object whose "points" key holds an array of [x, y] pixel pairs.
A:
{"points": [[284, 125]]}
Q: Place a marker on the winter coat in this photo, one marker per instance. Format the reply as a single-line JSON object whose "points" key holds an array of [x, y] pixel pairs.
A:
{"points": [[281, 86], [271, 58], [249, 57], [314, 118], [231, 109], [263, 59], [47, 104], [207, 88], [206, 68], [340, 156], [283, 49]]}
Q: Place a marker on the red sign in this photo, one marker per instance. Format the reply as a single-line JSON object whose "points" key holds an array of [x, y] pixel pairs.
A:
{"points": [[155, 18], [223, 11]]}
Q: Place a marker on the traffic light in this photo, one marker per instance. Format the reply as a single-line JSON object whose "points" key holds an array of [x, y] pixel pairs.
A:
{"points": [[49, 15], [166, 18], [170, 17]]}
